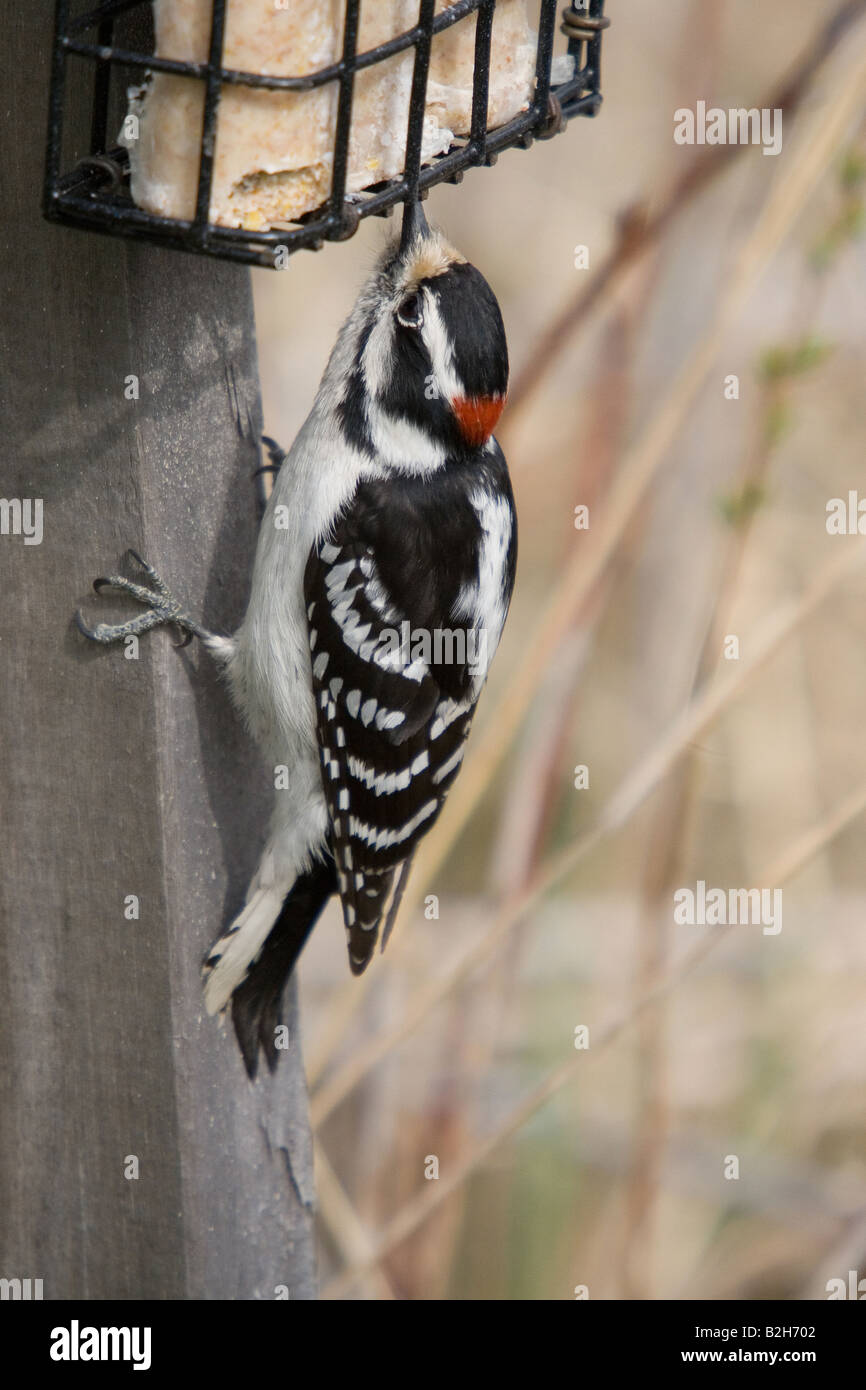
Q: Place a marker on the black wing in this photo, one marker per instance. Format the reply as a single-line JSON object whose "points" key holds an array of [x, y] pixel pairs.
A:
{"points": [[391, 724]]}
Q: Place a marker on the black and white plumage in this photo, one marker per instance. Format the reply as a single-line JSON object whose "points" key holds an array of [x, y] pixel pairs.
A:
{"points": [[393, 712], [381, 584]]}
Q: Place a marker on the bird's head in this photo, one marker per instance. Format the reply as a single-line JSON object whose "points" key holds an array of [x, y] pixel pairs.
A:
{"points": [[429, 361]]}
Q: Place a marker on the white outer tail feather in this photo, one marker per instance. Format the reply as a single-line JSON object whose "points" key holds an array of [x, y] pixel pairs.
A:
{"points": [[239, 946]]}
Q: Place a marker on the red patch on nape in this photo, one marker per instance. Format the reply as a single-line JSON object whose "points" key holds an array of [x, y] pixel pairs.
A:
{"points": [[477, 416]]}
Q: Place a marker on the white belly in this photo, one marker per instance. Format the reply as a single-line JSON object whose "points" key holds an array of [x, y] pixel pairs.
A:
{"points": [[268, 666]]}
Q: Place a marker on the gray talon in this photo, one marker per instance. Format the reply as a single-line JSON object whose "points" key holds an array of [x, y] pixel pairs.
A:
{"points": [[83, 628], [152, 575], [162, 608], [275, 454], [137, 591]]}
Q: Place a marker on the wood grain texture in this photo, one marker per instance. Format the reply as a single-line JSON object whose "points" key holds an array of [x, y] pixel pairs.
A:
{"points": [[125, 776]]}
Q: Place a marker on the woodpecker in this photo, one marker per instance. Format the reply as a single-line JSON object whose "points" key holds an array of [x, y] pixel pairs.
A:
{"points": [[382, 579]]}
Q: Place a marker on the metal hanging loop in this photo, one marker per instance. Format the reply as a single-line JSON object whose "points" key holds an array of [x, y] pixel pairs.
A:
{"points": [[414, 224]]}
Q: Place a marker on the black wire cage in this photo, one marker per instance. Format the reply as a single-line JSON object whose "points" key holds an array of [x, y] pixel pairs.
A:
{"points": [[97, 52]]}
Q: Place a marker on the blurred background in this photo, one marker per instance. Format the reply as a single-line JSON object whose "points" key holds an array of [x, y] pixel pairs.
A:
{"points": [[706, 1138]]}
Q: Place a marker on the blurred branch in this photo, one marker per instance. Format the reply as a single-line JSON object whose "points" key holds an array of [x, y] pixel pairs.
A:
{"points": [[535, 789], [639, 230], [850, 220], [640, 465], [672, 814], [348, 1232], [788, 863], [536, 782], [772, 1185], [630, 794]]}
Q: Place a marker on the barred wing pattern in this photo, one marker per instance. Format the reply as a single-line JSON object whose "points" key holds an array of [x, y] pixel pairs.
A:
{"points": [[391, 739]]}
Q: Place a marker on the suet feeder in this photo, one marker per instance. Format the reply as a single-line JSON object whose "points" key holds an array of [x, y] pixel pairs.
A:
{"points": [[111, 74]]}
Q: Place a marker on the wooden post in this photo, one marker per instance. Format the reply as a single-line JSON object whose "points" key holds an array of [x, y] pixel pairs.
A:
{"points": [[132, 412]]}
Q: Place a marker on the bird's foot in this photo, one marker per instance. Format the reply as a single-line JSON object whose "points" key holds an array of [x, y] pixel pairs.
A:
{"points": [[162, 608], [275, 454]]}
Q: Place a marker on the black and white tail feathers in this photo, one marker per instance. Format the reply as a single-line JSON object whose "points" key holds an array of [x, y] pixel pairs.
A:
{"points": [[256, 1001]]}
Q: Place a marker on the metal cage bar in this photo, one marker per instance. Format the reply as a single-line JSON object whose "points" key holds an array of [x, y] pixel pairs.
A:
{"points": [[338, 205], [213, 85], [418, 102], [94, 194], [481, 78]]}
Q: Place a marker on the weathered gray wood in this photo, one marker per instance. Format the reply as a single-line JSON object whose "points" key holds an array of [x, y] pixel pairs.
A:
{"points": [[122, 776]]}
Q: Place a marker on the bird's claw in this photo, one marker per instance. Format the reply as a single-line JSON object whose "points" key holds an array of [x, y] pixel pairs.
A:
{"points": [[275, 454], [162, 608]]}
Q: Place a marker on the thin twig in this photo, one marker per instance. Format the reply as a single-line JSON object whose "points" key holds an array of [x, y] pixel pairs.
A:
{"points": [[350, 1235]]}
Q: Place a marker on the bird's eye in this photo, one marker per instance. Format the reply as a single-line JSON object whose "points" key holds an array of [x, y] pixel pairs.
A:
{"points": [[410, 312]]}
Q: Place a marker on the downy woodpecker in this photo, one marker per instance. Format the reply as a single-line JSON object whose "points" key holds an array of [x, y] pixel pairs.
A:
{"points": [[382, 579]]}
